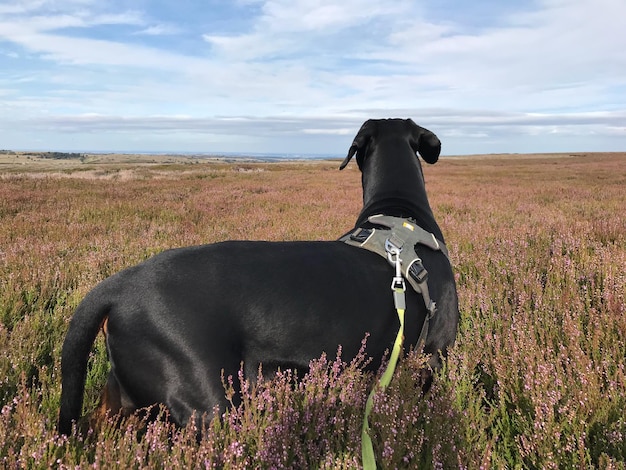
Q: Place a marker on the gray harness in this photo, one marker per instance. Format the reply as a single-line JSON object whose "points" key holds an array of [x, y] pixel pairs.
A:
{"points": [[400, 237]]}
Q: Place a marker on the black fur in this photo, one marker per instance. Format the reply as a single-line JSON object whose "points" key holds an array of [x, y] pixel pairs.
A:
{"points": [[177, 320]]}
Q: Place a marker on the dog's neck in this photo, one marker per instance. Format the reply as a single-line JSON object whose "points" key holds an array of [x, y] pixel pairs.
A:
{"points": [[394, 185]]}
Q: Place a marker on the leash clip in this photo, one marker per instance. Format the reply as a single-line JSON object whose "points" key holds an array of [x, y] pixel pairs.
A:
{"points": [[397, 283], [393, 256], [398, 286]]}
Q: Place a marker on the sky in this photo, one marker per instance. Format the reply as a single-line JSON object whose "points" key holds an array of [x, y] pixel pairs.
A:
{"points": [[300, 76]]}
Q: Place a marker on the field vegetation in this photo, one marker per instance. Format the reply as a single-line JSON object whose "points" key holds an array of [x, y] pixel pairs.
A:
{"points": [[537, 378]]}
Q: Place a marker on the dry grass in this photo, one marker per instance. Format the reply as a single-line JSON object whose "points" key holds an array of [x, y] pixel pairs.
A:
{"points": [[536, 379]]}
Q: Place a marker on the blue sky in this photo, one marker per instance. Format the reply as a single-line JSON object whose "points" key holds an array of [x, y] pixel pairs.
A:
{"points": [[300, 76]]}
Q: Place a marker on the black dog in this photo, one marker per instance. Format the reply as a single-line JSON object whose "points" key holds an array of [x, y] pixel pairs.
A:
{"points": [[175, 322]]}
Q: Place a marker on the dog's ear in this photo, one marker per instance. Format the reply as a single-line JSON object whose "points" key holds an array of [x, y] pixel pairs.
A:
{"points": [[358, 146], [353, 149], [426, 143]]}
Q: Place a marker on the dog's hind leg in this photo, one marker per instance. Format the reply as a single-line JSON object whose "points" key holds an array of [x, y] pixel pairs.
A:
{"points": [[113, 403]]}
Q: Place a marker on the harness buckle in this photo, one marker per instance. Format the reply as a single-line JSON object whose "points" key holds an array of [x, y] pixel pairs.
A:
{"points": [[361, 235], [418, 272]]}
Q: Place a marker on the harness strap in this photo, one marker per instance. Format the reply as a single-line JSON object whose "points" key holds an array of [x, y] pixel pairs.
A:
{"points": [[403, 235]]}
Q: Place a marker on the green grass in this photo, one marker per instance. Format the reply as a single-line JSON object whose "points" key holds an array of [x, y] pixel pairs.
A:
{"points": [[536, 379]]}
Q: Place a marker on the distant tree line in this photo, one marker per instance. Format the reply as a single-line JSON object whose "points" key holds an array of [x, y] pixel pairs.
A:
{"points": [[61, 155], [52, 155]]}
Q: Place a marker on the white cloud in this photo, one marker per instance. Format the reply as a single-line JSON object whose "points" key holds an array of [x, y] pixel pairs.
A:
{"points": [[299, 16], [159, 30], [316, 68], [329, 131]]}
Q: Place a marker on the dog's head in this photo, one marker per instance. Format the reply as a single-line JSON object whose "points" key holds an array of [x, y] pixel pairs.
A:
{"points": [[421, 140]]}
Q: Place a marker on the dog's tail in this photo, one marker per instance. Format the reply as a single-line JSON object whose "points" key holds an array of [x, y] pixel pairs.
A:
{"points": [[84, 326]]}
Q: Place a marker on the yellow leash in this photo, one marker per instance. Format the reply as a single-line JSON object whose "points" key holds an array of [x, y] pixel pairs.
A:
{"points": [[398, 287], [367, 450]]}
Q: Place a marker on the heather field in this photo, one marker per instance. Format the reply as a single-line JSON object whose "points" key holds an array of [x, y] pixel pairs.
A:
{"points": [[537, 378]]}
